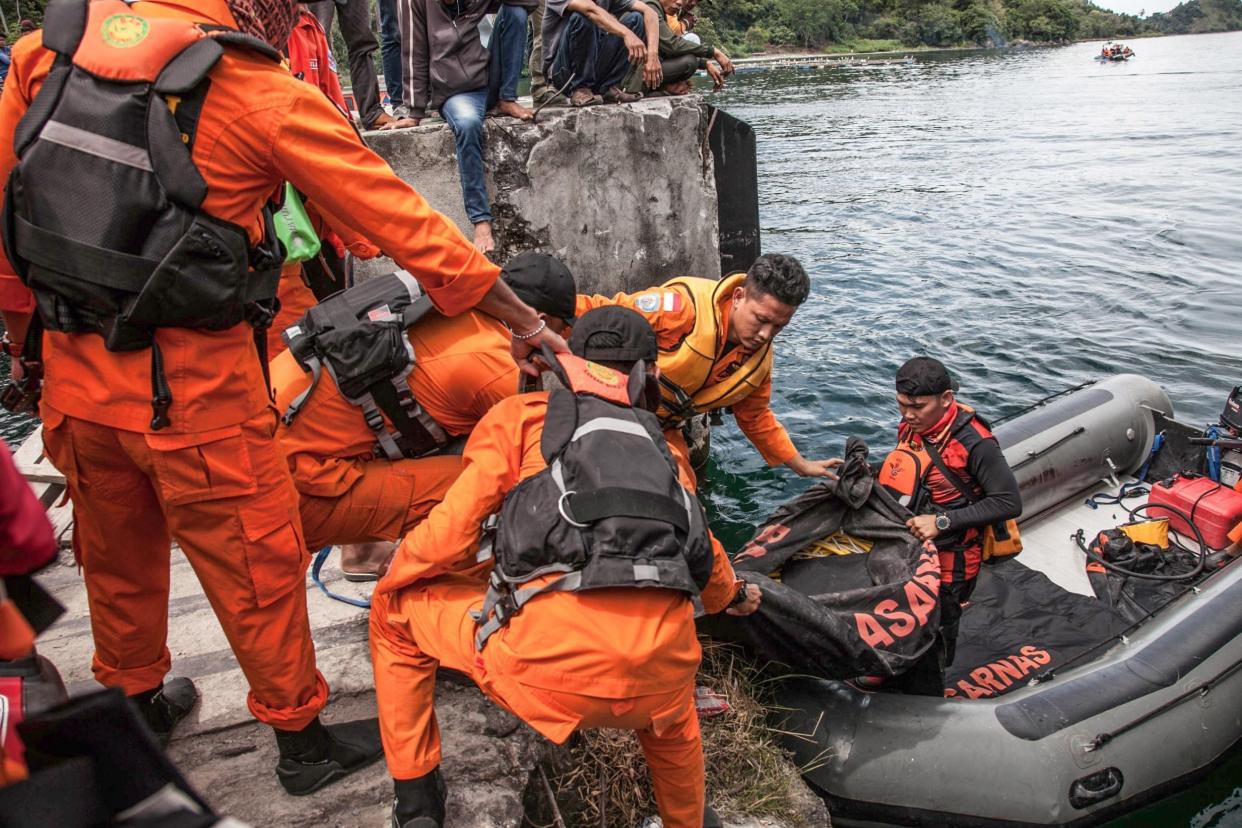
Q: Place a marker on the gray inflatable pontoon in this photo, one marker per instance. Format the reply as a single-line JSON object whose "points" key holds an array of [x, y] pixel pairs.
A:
{"points": [[1141, 720]]}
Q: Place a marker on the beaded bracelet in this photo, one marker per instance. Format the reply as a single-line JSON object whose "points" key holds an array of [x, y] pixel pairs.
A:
{"points": [[543, 324]]}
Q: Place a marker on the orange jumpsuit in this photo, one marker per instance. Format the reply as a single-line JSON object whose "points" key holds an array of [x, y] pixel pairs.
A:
{"points": [[215, 480], [621, 658], [462, 368], [673, 318]]}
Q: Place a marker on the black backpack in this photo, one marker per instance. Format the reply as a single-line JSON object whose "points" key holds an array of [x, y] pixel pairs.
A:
{"points": [[608, 511], [103, 215], [358, 335]]}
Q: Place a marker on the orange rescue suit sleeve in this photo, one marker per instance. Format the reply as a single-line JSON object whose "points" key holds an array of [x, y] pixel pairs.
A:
{"points": [[757, 421], [356, 192]]}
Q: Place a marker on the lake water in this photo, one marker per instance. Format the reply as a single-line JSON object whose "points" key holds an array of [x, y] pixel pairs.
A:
{"points": [[1033, 218]]}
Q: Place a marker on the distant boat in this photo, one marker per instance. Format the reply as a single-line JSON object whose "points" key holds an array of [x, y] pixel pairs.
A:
{"points": [[1115, 53]]}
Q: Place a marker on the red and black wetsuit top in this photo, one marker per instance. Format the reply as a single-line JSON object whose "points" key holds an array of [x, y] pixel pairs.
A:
{"points": [[969, 450]]}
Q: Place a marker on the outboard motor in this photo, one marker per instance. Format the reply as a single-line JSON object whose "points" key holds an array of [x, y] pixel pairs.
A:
{"points": [[1231, 457]]}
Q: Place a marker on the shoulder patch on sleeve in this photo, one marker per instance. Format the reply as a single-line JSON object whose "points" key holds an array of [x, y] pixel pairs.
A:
{"points": [[648, 302]]}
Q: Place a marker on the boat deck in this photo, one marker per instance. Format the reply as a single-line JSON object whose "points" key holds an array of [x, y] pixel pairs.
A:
{"points": [[1048, 544]]}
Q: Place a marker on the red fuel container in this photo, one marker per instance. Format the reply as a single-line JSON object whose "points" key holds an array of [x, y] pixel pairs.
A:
{"points": [[1215, 509]]}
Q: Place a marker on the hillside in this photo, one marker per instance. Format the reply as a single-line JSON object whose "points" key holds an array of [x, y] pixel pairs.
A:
{"points": [[743, 26]]}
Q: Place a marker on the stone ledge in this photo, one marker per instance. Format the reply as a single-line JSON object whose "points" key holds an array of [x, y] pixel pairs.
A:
{"points": [[624, 193]]}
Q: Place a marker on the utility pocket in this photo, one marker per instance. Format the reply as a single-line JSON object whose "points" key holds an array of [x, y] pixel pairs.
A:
{"points": [[275, 552], [201, 283], [366, 354], [58, 445], [205, 465]]}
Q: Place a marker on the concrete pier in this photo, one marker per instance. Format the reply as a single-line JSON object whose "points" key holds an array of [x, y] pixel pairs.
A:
{"points": [[625, 194]]}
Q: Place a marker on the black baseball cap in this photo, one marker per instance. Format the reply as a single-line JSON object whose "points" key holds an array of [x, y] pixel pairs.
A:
{"points": [[613, 334], [923, 376], [543, 282]]}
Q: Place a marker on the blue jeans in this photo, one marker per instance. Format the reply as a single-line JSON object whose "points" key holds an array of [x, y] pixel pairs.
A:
{"points": [[390, 50], [464, 112], [595, 59], [508, 50]]}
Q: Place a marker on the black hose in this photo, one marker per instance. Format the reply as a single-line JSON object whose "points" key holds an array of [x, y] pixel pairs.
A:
{"points": [[1080, 537]]}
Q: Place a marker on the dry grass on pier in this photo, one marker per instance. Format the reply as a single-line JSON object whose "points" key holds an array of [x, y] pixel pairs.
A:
{"points": [[603, 780]]}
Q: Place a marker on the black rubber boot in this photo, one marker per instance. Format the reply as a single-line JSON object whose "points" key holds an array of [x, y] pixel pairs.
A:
{"points": [[711, 819], [419, 803], [162, 707], [316, 756]]}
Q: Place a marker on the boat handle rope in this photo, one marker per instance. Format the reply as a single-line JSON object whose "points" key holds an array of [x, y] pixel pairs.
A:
{"points": [[1201, 690], [1032, 456]]}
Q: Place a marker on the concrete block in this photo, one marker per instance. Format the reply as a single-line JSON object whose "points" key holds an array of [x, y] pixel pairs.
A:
{"points": [[625, 194]]}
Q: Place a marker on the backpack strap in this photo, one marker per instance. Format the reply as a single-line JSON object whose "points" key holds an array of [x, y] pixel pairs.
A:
{"points": [[233, 37], [301, 345], [64, 25], [615, 501], [955, 479], [187, 70]]}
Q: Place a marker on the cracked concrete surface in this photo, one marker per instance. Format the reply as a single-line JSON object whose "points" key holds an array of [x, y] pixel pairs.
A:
{"points": [[625, 194]]}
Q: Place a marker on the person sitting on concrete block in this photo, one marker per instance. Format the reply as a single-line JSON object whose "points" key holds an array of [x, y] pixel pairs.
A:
{"points": [[594, 47], [366, 488], [716, 342], [683, 55], [564, 635], [452, 64]]}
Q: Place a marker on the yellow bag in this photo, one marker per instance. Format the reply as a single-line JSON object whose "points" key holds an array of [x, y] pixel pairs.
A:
{"points": [[1003, 544], [1155, 532]]}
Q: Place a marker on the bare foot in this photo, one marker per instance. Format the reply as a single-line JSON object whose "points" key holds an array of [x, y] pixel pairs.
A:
{"points": [[678, 88], [515, 110], [399, 123], [483, 237]]}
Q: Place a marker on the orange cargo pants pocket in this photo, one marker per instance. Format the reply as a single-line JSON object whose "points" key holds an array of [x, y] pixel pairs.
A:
{"points": [[276, 556], [204, 465]]}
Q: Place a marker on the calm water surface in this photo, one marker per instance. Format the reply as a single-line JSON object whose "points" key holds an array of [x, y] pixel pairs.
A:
{"points": [[1033, 218]]}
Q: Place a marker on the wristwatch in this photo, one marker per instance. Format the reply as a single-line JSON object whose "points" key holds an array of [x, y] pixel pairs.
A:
{"points": [[740, 596], [942, 522]]}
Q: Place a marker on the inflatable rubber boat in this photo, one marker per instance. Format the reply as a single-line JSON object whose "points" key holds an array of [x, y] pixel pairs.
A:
{"points": [[1063, 707]]}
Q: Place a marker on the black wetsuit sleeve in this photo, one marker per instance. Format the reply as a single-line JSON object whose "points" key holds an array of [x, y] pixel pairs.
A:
{"points": [[1001, 500]]}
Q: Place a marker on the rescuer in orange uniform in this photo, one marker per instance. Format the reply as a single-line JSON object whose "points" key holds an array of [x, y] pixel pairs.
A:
{"points": [[462, 367], [163, 428], [572, 658], [716, 340]]}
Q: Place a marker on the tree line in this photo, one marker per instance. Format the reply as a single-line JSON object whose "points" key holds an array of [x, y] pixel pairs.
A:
{"points": [[743, 26]]}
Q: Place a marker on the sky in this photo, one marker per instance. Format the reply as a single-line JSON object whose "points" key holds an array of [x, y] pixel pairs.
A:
{"points": [[1136, 6]]}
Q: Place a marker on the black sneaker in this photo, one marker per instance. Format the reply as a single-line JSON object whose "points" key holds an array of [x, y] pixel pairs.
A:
{"points": [[419, 803], [164, 706], [711, 819], [317, 756]]}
